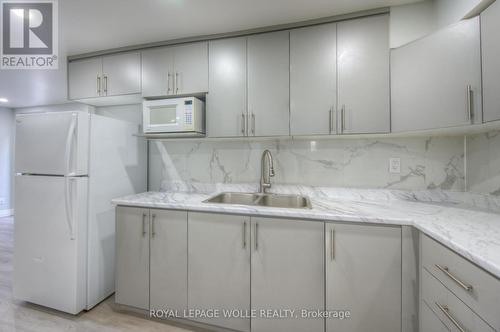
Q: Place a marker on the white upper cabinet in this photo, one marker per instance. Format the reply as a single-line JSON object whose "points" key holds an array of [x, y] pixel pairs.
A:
{"points": [[436, 81], [157, 70], [121, 74], [313, 80], [226, 100], [268, 84], [363, 75], [175, 70], [490, 27], [117, 77], [84, 78], [191, 68]]}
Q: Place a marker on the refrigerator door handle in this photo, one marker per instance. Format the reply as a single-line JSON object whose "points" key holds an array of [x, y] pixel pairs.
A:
{"points": [[69, 144], [67, 194], [69, 206]]}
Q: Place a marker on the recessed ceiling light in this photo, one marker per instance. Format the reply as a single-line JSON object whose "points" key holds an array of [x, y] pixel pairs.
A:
{"points": [[4, 100]]}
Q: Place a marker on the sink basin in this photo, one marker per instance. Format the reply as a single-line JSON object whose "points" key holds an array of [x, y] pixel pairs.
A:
{"points": [[285, 201], [234, 198], [266, 200]]}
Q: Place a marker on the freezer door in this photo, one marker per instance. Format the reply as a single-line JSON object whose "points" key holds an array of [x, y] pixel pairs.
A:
{"points": [[49, 243], [52, 143]]}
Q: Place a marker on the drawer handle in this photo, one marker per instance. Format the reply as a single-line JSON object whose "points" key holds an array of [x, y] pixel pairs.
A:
{"points": [[446, 312], [446, 271]]}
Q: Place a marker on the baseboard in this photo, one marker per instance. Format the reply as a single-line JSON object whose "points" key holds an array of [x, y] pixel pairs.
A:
{"points": [[6, 213]]}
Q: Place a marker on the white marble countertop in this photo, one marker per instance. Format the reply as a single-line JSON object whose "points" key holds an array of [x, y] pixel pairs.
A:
{"points": [[469, 224]]}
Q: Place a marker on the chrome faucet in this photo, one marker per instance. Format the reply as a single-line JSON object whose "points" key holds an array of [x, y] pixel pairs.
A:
{"points": [[266, 174]]}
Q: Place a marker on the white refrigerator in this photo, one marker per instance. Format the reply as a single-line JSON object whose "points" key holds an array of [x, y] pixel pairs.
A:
{"points": [[69, 165]]}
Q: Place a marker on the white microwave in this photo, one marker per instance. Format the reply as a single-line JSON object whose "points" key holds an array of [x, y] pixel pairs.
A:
{"points": [[177, 116]]}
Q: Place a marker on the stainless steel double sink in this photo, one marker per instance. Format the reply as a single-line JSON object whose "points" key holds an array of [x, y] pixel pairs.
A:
{"points": [[266, 200]]}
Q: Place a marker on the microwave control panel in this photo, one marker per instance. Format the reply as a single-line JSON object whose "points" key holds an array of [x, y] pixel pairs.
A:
{"points": [[188, 113]]}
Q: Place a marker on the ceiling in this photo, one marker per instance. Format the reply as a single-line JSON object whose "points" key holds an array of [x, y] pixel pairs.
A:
{"points": [[93, 25]]}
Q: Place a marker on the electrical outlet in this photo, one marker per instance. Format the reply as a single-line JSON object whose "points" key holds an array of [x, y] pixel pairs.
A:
{"points": [[2, 201], [395, 165]]}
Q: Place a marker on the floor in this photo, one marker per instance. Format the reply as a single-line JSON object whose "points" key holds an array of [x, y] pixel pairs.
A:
{"points": [[21, 316]]}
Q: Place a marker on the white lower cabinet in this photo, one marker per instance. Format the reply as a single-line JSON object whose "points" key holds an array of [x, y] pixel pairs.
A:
{"points": [[151, 253], [429, 321], [287, 273], [219, 267], [168, 260], [268, 274], [132, 257], [363, 276]]}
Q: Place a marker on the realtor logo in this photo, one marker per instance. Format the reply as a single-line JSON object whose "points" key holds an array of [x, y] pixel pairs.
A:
{"points": [[29, 34]]}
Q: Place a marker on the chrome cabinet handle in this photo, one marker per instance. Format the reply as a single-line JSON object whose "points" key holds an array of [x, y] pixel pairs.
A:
{"points": [[244, 235], [168, 83], [243, 124], [256, 236], [330, 126], [447, 272], [253, 124], [106, 85], [342, 119], [143, 224], [446, 312], [98, 83], [176, 82], [469, 103], [332, 244], [153, 232]]}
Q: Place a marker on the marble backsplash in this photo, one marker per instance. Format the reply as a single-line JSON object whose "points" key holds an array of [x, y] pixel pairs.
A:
{"points": [[483, 163], [426, 162]]}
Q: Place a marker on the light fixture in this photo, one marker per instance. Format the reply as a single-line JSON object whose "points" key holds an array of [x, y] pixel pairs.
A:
{"points": [[4, 100]]}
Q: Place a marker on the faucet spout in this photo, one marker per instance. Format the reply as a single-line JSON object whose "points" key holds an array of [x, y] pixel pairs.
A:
{"points": [[266, 172]]}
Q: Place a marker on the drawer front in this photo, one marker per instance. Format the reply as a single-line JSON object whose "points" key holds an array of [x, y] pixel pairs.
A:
{"points": [[448, 308], [429, 322], [458, 274]]}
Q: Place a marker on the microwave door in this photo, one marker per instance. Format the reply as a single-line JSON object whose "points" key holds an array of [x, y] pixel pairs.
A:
{"points": [[165, 117]]}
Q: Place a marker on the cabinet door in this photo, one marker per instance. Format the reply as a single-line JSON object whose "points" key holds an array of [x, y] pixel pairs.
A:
{"points": [[219, 266], [158, 72], [363, 276], [226, 100], [84, 78], [313, 80], [490, 26], [168, 260], [132, 257], [363, 75], [431, 76], [268, 84], [287, 273], [191, 68], [121, 74]]}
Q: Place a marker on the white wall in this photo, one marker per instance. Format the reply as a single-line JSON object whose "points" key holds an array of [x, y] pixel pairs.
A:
{"points": [[6, 158]]}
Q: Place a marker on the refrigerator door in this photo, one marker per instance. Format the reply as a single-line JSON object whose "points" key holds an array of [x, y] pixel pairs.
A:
{"points": [[52, 143], [50, 238]]}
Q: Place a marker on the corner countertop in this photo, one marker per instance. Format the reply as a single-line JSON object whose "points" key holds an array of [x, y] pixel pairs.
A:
{"points": [[467, 223]]}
